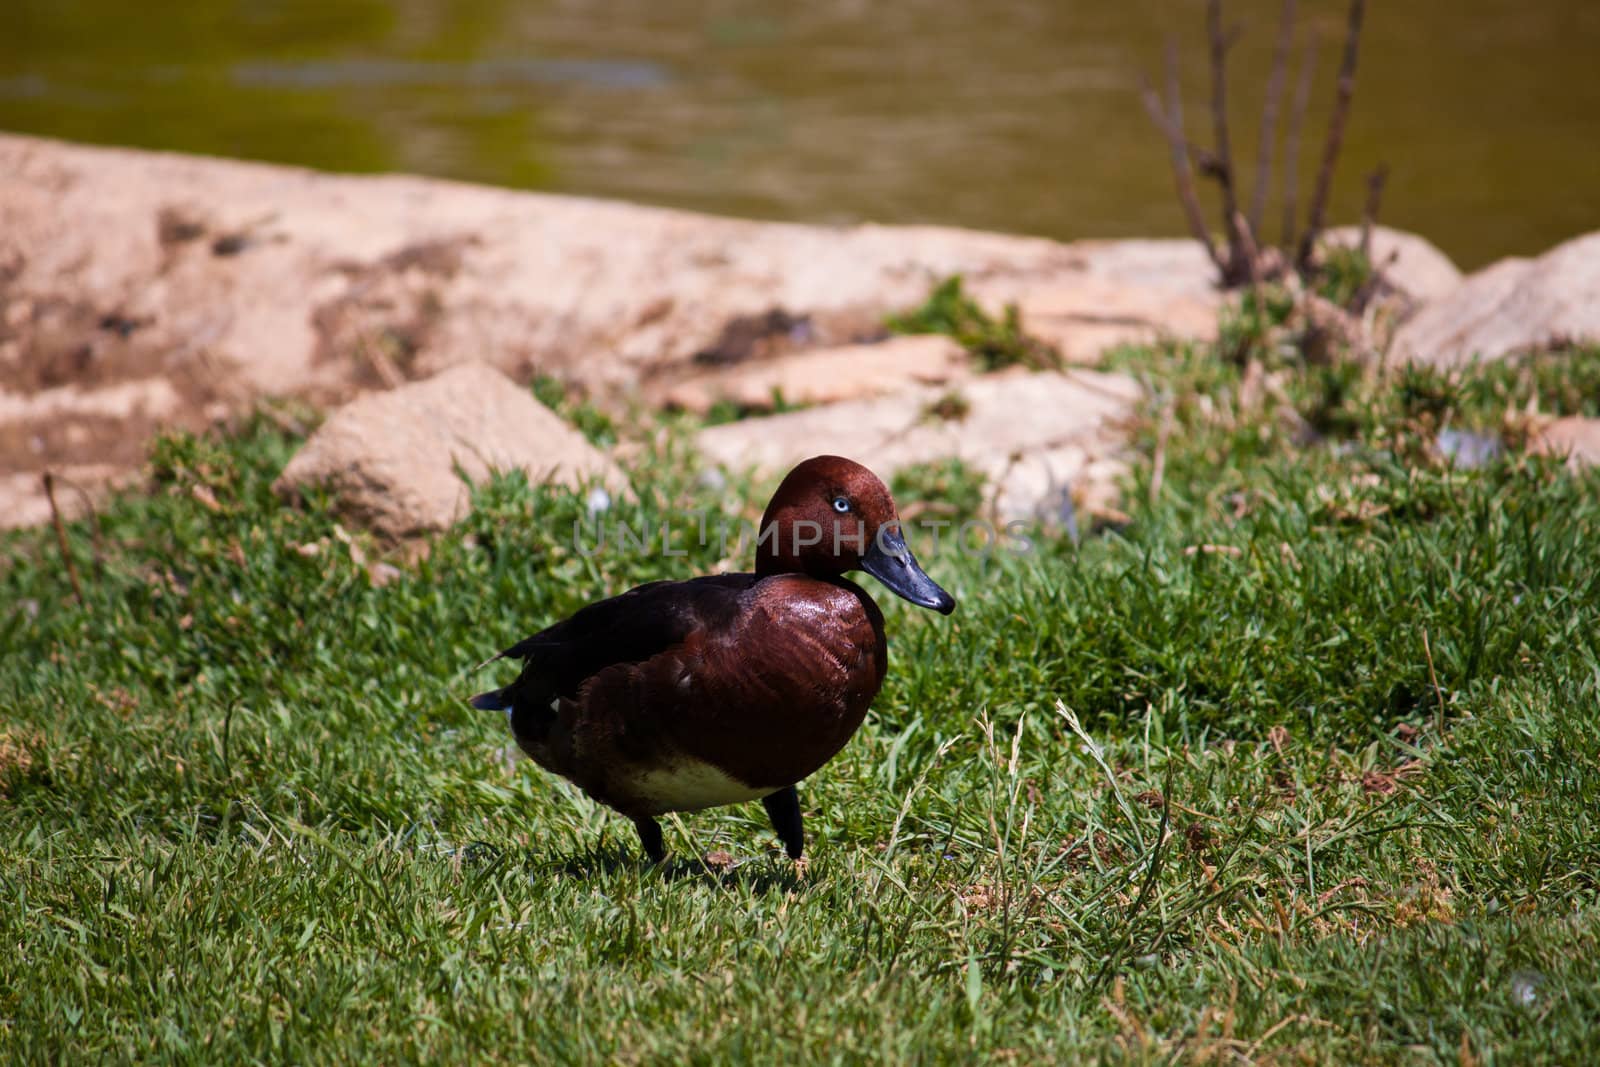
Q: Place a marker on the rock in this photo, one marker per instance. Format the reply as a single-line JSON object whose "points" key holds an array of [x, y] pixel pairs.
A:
{"points": [[1138, 292], [228, 281], [392, 458], [1034, 436], [1469, 449], [1510, 307], [1418, 268], [827, 375], [79, 488], [1173, 266], [1054, 484], [1575, 437], [151, 398], [1127, 292], [288, 280], [1084, 321]]}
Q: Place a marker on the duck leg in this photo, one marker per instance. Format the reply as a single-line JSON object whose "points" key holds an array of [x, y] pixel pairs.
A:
{"points": [[783, 808], [650, 838]]}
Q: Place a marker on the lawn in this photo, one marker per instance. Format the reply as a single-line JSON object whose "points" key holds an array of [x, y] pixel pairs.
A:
{"points": [[1298, 763]]}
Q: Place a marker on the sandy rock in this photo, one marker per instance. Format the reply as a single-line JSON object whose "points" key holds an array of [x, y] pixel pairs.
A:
{"points": [[1509, 307], [1125, 292], [229, 281], [79, 488], [1418, 268], [1575, 437], [1053, 485], [827, 375], [392, 457], [153, 398], [1034, 436], [1082, 321], [71, 431], [288, 280], [1169, 265]]}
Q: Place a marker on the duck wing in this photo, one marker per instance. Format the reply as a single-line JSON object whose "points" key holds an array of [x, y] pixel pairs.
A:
{"points": [[629, 628]]}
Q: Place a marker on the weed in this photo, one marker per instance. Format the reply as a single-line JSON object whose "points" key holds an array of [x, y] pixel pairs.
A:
{"points": [[993, 344], [725, 411], [593, 423]]}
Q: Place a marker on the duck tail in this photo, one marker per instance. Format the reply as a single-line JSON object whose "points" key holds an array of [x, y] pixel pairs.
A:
{"points": [[493, 700]]}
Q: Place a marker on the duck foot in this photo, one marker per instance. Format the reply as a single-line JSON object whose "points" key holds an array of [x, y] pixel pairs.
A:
{"points": [[783, 808], [650, 838]]}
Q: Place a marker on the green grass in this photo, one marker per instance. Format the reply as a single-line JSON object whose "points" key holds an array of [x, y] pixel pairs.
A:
{"points": [[993, 343], [1329, 788], [594, 424]]}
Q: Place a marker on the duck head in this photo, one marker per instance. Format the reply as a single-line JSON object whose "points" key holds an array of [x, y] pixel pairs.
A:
{"points": [[831, 515]]}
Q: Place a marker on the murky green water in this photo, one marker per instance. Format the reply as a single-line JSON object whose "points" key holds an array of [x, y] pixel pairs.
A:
{"points": [[1015, 115]]}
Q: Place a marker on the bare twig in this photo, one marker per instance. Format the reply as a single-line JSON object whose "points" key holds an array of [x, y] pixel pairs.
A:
{"points": [[1344, 90], [96, 546], [1369, 215], [1223, 163], [1267, 143], [1291, 146], [61, 535], [1252, 262], [1169, 119], [1248, 259], [1375, 281]]}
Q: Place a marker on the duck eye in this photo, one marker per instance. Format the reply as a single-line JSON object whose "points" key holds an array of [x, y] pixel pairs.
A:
{"points": [[841, 504]]}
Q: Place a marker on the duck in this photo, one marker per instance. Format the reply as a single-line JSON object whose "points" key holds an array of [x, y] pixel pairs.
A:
{"points": [[683, 695]]}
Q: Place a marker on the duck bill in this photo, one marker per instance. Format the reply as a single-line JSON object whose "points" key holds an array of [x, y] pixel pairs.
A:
{"points": [[890, 561]]}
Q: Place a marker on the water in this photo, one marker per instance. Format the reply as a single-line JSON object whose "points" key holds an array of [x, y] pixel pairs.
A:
{"points": [[1018, 115]]}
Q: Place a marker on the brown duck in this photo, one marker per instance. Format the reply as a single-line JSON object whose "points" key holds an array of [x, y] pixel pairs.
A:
{"points": [[683, 695]]}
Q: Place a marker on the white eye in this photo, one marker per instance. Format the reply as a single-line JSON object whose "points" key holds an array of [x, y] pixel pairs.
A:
{"points": [[841, 504]]}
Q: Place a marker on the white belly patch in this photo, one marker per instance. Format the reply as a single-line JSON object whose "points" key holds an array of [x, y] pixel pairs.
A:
{"points": [[690, 785]]}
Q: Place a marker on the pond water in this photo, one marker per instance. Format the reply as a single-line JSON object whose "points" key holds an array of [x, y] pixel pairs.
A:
{"points": [[1019, 115]]}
